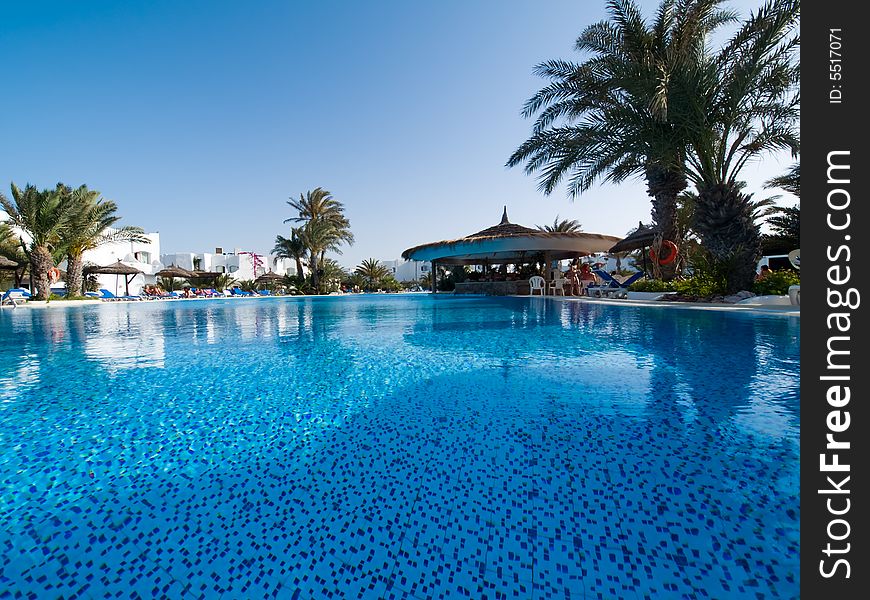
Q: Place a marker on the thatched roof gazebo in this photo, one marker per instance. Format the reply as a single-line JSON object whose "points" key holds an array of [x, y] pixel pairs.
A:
{"points": [[510, 243], [118, 269]]}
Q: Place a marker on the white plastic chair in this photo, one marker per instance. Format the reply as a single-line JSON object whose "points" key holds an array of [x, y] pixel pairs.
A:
{"points": [[557, 285], [536, 283]]}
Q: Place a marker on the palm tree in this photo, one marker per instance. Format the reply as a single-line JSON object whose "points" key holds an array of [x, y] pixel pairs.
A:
{"points": [[616, 105], [292, 247], [563, 226], [45, 217], [223, 281], [319, 236], [10, 248], [92, 221], [333, 274], [790, 182], [325, 227], [373, 271], [744, 103], [786, 222]]}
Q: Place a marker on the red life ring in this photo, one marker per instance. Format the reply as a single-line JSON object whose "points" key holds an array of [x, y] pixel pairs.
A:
{"points": [[54, 274], [669, 257]]}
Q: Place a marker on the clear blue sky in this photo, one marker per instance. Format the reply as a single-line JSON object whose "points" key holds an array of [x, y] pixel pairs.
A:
{"points": [[201, 118]]}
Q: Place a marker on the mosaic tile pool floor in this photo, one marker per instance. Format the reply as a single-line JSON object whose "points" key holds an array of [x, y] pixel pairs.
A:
{"points": [[397, 447]]}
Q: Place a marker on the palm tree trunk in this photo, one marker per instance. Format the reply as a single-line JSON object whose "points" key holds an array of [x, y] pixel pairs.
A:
{"points": [[74, 275], [40, 263], [299, 271], [664, 185], [723, 220], [315, 280]]}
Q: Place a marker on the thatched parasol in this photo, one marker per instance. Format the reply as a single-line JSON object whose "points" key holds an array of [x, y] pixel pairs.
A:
{"points": [[269, 277], [641, 238], [5, 263], [173, 271], [118, 268]]}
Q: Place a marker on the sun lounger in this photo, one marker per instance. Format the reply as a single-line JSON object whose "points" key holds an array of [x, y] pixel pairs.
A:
{"points": [[14, 296], [611, 288], [108, 296]]}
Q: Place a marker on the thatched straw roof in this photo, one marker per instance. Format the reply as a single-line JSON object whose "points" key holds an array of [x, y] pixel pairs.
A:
{"points": [[510, 242], [118, 268], [269, 277], [173, 271], [641, 238], [5, 263]]}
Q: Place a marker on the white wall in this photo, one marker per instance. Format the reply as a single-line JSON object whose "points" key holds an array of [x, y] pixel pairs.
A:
{"points": [[144, 256], [240, 266], [408, 270]]}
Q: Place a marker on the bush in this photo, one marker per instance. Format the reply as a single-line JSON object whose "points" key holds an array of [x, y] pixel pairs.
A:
{"points": [[702, 285], [652, 285], [776, 283]]}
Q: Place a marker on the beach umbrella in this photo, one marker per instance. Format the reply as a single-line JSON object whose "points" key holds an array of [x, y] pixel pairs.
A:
{"points": [[116, 269], [5, 263], [269, 277], [173, 271], [642, 238]]}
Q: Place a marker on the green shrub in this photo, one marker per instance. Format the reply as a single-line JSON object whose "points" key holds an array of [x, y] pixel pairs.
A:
{"points": [[702, 285], [652, 285], [776, 283]]}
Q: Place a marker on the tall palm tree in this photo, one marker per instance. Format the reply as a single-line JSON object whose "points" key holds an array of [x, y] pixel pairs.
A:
{"points": [[744, 103], [785, 223], [563, 226], [373, 271], [92, 226], [292, 247], [790, 182], [615, 106], [319, 236], [319, 205], [325, 227], [45, 217]]}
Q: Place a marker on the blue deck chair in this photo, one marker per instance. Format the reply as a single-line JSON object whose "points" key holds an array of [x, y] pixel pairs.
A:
{"points": [[14, 295], [265, 292], [612, 288], [107, 295], [237, 291]]}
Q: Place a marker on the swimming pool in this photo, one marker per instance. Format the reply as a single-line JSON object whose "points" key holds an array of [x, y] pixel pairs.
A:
{"points": [[398, 447]]}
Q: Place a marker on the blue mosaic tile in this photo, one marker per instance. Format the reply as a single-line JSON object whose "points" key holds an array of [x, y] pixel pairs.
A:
{"points": [[398, 447]]}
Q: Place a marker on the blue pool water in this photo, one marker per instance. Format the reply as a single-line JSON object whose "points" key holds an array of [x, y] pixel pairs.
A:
{"points": [[398, 447]]}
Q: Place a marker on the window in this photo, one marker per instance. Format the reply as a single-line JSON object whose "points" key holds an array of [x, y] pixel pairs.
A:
{"points": [[424, 268], [142, 257]]}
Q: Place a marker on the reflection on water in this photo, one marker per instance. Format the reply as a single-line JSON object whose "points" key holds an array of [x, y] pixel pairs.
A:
{"points": [[18, 375], [695, 366], [125, 339]]}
